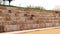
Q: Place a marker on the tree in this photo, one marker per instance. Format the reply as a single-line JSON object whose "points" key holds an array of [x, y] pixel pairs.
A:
{"points": [[0, 1], [4, 2], [36, 7], [57, 8], [9, 1]]}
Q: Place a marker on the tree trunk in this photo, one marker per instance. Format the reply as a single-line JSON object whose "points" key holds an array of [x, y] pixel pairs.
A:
{"points": [[9, 3]]}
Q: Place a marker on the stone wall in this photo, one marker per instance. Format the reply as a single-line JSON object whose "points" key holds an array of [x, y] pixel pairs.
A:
{"points": [[28, 19]]}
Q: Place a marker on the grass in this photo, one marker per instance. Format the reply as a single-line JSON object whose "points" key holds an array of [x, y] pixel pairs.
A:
{"points": [[11, 6], [54, 11], [21, 7], [27, 8]]}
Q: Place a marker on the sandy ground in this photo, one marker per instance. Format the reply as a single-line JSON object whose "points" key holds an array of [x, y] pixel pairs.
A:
{"points": [[37, 31], [50, 31]]}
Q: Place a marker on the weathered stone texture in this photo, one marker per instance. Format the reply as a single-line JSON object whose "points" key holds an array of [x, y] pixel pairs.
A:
{"points": [[28, 19]]}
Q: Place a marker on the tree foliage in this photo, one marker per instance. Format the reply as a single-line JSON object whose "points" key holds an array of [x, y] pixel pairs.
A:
{"points": [[0, 1], [4, 2], [36, 7], [9, 1]]}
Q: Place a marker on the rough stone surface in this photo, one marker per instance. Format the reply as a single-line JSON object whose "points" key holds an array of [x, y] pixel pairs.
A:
{"points": [[28, 19]]}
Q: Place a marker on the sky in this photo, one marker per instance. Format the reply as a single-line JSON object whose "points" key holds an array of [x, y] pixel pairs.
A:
{"points": [[47, 4]]}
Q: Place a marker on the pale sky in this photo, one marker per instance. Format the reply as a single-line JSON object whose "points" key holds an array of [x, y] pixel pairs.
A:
{"points": [[48, 4]]}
